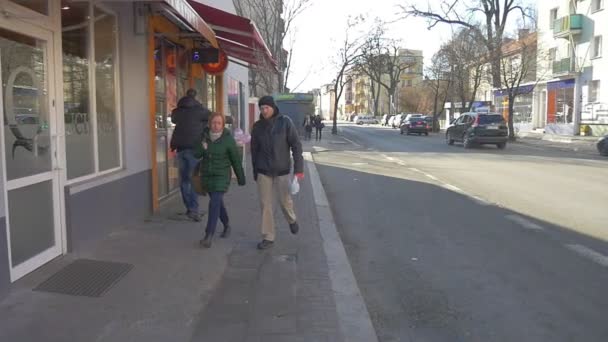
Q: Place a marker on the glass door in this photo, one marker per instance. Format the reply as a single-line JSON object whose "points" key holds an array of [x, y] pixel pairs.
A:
{"points": [[29, 142]]}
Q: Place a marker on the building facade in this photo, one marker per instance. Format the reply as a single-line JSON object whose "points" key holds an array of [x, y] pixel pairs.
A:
{"points": [[572, 68], [87, 93]]}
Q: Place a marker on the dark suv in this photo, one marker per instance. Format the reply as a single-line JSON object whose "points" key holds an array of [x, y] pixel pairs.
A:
{"points": [[478, 128]]}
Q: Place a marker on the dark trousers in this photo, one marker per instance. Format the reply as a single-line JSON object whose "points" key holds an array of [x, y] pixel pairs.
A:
{"points": [[319, 132], [308, 133], [216, 210], [187, 164]]}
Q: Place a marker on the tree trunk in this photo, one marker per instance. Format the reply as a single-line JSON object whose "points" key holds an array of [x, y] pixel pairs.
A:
{"points": [[510, 118], [376, 98]]}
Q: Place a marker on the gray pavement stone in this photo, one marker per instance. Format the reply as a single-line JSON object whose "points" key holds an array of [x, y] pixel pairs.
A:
{"points": [[180, 292]]}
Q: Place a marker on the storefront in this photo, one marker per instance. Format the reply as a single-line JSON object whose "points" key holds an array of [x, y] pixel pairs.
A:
{"points": [[523, 108], [173, 72], [63, 125]]}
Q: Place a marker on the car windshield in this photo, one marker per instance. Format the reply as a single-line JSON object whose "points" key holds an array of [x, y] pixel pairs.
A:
{"points": [[490, 119], [416, 118]]}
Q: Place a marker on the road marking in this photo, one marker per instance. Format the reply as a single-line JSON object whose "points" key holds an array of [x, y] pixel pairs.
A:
{"points": [[589, 254], [524, 222], [350, 141], [359, 164], [400, 163], [414, 169]]}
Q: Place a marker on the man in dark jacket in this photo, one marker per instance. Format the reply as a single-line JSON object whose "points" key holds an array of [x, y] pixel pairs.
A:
{"points": [[190, 118], [272, 138]]}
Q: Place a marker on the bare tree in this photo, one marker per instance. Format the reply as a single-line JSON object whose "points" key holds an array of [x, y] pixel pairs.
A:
{"points": [[465, 55], [371, 63], [486, 18], [518, 65], [347, 57], [384, 63], [439, 78], [274, 19]]}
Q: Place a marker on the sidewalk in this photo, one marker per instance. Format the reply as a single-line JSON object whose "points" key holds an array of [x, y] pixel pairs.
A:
{"points": [[177, 291], [568, 143]]}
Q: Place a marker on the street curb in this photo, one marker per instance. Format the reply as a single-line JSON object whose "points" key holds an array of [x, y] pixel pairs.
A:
{"points": [[353, 317]]}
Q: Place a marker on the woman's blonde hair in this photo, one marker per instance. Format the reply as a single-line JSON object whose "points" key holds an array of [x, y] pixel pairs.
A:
{"points": [[215, 115]]}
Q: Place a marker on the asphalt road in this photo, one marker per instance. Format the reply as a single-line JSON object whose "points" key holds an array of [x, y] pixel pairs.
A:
{"points": [[449, 244]]}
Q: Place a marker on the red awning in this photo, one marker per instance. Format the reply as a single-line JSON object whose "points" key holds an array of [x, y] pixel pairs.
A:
{"points": [[237, 36]]}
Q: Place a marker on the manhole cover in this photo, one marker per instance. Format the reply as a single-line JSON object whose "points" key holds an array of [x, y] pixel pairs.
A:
{"points": [[84, 277]]}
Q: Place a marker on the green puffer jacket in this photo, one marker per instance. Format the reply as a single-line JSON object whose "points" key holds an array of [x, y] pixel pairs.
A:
{"points": [[217, 158]]}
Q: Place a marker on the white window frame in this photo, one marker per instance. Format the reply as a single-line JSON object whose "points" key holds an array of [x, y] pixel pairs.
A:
{"points": [[596, 48], [551, 19], [593, 88], [597, 5], [93, 102]]}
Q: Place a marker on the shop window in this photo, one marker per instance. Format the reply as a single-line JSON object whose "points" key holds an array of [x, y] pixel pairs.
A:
{"points": [[92, 118], [211, 92], [40, 6]]}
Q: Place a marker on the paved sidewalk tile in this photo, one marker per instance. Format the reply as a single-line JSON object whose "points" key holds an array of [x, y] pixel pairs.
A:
{"points": [[177, 291], [284, 293]]}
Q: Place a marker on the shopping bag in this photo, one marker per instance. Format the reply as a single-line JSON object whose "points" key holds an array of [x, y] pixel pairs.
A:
{"points": [[294, 187]]}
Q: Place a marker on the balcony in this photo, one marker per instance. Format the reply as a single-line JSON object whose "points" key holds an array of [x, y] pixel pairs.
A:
{"points": [[568, 25], [563, 67]]}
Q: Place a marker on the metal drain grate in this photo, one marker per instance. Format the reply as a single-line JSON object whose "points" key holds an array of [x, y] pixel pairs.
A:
{"points": [[84, 277]]}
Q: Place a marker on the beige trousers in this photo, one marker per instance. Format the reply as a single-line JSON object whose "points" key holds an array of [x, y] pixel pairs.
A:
{"points": [[266, 189]]}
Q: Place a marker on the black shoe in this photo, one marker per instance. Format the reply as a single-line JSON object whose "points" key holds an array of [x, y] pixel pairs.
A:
{"points": [[226, 232], [294, 228], [265, 244], [207, 240], [194, 216]]}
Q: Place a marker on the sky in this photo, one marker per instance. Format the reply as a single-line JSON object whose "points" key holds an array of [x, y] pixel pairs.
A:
{"points": [[320, 29]]}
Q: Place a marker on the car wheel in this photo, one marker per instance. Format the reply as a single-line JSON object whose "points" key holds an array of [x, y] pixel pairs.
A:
{"points": [[466, 141], [449, 139], [603, 149], [426, 133], [501, 145]]}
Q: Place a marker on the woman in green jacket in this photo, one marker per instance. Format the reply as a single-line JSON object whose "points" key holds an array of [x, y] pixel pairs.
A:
{"points": [[219, 153]]}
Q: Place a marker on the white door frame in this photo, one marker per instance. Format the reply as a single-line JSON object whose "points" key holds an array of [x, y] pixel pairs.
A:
{"points": [[55, 174]]}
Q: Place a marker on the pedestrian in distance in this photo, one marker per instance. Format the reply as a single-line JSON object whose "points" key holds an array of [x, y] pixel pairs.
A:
{"points": [[219, 154], [190, 118], [308, 122], [319, 125], [272, 139]]}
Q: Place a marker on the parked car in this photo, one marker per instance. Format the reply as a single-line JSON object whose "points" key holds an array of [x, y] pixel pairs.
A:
{"points": [[416, 124], [478, 128], [365, 119], [386, 119], [409, 116], [602, 146], [397, 120]]}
